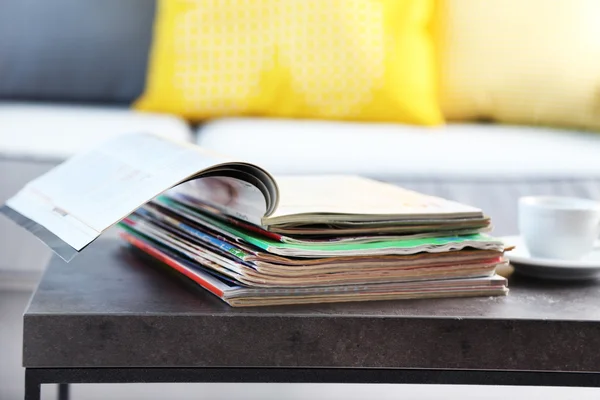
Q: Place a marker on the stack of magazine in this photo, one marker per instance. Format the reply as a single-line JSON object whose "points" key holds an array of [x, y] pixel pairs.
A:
{"points": [[253, 239], [330, 239]]}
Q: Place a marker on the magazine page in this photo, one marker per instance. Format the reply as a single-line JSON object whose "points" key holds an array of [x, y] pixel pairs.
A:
{"points": [[324, 199], [333, 198], [72, 204]]}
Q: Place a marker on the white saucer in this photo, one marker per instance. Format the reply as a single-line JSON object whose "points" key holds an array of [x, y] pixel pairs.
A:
{"points": [[547, 268]]}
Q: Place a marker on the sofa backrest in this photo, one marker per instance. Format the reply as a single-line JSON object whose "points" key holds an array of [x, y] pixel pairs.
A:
{"points": [[74, 50]]}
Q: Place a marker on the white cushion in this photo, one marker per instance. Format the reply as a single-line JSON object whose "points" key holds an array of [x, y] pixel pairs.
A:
{"points": [[391, 151], [56, 131]]}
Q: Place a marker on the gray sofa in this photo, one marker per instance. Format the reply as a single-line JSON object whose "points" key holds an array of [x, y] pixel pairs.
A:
{"points": [[68, 83]]}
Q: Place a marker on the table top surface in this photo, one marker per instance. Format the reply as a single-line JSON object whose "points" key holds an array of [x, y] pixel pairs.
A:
{"points": [[109, 306]]}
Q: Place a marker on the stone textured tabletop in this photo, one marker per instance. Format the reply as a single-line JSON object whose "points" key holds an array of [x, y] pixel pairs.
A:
{"points": [[110, 308]]}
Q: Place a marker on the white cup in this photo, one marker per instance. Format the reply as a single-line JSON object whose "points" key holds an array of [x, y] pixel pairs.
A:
{"points": [[559, 227]]}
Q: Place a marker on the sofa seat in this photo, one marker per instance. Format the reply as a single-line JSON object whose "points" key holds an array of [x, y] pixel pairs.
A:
{"points": [[58, 131], [486, 165], [36, 137]]}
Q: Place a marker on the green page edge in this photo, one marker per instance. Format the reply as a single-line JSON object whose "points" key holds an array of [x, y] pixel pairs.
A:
{"points": [[265, 243]]}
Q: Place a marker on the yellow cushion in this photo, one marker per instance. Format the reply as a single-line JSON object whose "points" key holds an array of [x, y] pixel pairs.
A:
{"points": [[521, 61], [334, 59]]}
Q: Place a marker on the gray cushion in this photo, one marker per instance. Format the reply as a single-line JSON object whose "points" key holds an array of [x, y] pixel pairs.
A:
{"points": [[55, 132], [74, 50]]}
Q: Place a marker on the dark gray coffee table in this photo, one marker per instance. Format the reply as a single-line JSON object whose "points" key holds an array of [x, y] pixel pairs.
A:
{"points": [[108, 317]]}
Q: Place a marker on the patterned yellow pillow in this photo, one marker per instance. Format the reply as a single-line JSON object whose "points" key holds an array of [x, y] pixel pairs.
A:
{"points": [[334, 59], [533, 62]]}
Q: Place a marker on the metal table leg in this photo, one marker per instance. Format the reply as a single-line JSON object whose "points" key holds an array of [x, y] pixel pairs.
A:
{"points": [[63, 391], [32, 385]]}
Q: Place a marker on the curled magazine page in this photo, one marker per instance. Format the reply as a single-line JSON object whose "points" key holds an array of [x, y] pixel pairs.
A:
{"points": [[71, 205], [223, 194]]}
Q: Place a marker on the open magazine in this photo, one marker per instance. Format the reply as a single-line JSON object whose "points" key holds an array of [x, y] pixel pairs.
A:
{"points": [[252, 238], [71, 205]]}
